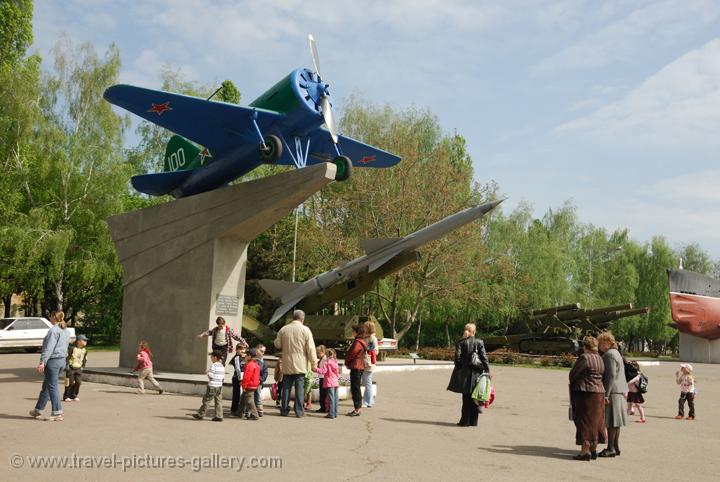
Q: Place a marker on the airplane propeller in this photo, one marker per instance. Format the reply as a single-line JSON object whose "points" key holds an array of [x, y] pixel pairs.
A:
{"points": [[324, 101]]}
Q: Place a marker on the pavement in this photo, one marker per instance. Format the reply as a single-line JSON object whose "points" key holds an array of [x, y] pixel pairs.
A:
{"points": [[409, 434]]}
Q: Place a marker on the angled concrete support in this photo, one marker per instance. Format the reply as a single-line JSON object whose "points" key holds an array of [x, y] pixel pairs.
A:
{"points": [[184, 262], [699, 350]]}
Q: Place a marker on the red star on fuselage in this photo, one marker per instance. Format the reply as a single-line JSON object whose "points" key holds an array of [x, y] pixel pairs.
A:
{"points": [[160, 108], [366, 159]]}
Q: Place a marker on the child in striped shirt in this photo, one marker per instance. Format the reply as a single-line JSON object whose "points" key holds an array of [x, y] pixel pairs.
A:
{"points": [[216, 376]]}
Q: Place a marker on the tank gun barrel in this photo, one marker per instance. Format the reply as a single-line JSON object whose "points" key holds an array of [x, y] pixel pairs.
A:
{"points": [[606, 318], [555, 309]]}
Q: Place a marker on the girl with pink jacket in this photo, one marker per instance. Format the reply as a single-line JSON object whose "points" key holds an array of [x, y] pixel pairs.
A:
{"points": [[331, 376]]}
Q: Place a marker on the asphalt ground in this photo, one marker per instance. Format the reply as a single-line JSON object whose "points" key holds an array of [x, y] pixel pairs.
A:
{"points": [[409, 434]]}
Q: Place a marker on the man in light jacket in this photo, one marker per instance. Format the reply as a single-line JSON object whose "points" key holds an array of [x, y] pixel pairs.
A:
{"points": [[296, 343]]}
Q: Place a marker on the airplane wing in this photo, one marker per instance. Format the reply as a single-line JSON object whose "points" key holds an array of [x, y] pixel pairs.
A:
{"points": [[361, 154], [216, 125]]}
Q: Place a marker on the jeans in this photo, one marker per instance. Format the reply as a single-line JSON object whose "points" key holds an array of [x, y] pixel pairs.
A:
{"points": [[690, 397], [367, 382], [332, 401], [237, 391], [223, 349], [323, 396], [355, 380], [50, 390], [214, 394], [297, 381], [258, 399], [73, 380], [247, 403]]}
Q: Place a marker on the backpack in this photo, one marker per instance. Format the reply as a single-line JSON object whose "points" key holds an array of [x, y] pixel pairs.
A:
{"points": [[630, 371], [642, 383]]}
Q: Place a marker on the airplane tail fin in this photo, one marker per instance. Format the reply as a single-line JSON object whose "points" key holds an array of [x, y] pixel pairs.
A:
{"points": [[182, 155], [160, 183]]}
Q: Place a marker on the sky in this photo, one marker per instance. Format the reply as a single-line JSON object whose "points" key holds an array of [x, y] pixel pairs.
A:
{"points": [[611, 105]]}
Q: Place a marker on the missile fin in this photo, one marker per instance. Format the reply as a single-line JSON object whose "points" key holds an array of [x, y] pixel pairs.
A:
{"points": [[381, 261], [372, 245], [280, 312], [277, 288]]}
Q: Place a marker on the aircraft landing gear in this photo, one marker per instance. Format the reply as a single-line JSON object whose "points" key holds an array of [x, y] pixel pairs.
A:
{"points": [[272, 150], [344, 168]]}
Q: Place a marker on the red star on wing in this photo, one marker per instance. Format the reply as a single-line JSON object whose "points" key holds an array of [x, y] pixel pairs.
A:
{"points": [[160, 108], [203, 154], [366, 159]]}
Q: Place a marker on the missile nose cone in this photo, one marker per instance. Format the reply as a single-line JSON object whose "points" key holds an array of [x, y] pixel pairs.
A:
{"points": [[487, 207]]}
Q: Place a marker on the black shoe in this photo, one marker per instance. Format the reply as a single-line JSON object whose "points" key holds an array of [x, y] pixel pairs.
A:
{"points": [[197, 416], [593, 455], [617, 453], [260, 414], [582, 457], [252, 417], [605, 453], [217, 419]]}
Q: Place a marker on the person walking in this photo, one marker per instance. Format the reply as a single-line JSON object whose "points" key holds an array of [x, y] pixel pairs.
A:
{"points": [[52, 363], [221, 337], [615, 386], [296, 343], [588, 399], [355, 362], [470, 362], [144, 368]]}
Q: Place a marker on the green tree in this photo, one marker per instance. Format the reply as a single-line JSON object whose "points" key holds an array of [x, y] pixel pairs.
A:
{"points": [[652, 262], [15, 30], [228, 92], [72, 178], [695, 259], [19, 114]]}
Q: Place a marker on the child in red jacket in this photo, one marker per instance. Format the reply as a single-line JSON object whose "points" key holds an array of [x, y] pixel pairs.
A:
{"points": [[250, 383]]}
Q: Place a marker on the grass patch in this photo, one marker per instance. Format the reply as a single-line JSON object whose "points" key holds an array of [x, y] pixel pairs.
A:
{"points": [[103, 347]]}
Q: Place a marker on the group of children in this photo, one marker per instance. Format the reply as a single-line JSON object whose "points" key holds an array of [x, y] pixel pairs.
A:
{"points": [[637, 381], [250, 373]]}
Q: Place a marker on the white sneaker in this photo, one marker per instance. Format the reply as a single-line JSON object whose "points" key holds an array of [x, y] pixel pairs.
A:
{"points": [[76, 399], [68, 399], [35, 413]]}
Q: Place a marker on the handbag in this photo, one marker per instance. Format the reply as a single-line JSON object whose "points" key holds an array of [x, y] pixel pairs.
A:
{"points": [[475, 358]]}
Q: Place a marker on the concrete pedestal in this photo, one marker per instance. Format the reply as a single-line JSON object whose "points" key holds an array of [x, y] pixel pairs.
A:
{"points": [[184, 263], [699, 350]]}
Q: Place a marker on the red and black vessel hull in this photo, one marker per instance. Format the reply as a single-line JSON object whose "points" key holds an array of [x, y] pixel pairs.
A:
{"points": [[695, 303]]}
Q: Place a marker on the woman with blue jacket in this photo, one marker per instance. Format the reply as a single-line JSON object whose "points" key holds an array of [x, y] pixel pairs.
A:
{"points": [[52, 363]]}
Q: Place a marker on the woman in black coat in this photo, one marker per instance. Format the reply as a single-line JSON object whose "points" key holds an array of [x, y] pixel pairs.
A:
{"points": [[470, 362]]}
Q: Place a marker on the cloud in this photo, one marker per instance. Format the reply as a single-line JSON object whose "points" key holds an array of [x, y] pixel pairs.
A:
{"points": [[697, 187], [679, 105], [626, 39]]}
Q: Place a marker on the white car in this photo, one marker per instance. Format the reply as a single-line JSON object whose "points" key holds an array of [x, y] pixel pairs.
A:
{"points": [[26, 332], [387, 344]]}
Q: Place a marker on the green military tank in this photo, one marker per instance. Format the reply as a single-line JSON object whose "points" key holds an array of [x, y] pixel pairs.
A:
{"points": [[559, 329], [335, 331]]}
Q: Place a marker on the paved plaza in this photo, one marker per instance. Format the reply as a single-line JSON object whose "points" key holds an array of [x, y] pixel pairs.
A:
{"points": [[409, 435]]}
